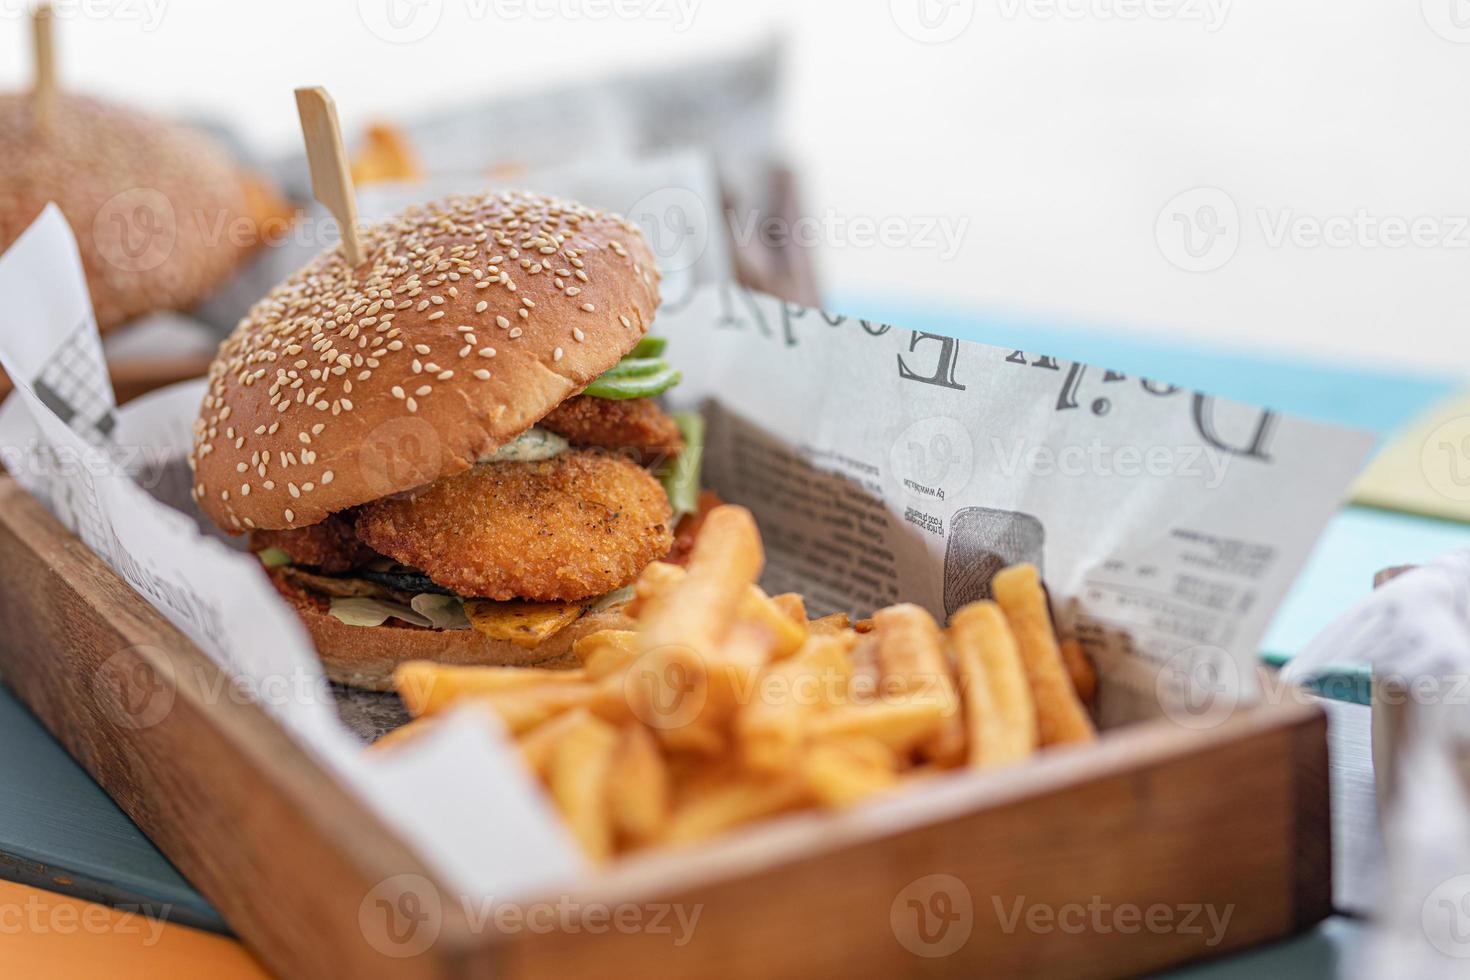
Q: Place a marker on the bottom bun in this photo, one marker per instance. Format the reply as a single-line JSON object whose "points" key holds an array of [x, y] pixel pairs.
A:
{"points": [[366, 656]]}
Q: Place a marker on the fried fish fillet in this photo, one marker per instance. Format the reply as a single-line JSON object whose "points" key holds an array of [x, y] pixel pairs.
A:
{"points": [[636, 424], [571, 527]]}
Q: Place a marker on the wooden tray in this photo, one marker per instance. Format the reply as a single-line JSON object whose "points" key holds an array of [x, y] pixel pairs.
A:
{"points": [[1235, 817]]}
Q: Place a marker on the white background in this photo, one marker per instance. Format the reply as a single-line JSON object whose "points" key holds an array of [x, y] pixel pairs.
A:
{"points": [[1055, 133]]}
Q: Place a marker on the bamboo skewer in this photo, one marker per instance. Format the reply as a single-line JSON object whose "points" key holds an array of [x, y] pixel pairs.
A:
{"points": [[331, 178], [43, 90]]}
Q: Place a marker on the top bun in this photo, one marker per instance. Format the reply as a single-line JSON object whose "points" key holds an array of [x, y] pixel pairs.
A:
{"points": [[469, 319], [154, 206]]}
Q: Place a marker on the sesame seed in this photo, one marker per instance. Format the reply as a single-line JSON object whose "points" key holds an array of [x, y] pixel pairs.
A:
{"points": [[516, 332], [487, 351], [413, 406], [328, 477], [589, 307], [421, 348], [482, 374], [397, 392], [502, 323], [436, 314], [556, 354], [578, 335], [423, 390], [290, 515], [481, 306]]}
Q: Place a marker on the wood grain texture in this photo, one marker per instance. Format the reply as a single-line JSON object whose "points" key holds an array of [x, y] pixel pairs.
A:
{"points": [[1145, 817], [1234, 817], [279, 848]]}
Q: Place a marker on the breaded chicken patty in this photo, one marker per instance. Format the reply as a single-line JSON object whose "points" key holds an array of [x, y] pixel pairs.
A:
{"points": [[331, 546], [571, 527], [637, 424]]}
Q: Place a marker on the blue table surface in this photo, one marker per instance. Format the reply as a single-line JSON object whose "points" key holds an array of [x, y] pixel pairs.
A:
{"points": [[58, 829]]}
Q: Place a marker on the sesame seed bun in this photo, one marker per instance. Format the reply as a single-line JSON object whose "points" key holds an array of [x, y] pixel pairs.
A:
{"points": [[469, 319], [366, 656], [155, 207]]}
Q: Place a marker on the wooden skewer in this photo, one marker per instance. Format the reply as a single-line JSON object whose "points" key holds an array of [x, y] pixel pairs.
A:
{"points": [[331, 179], [44, 90]]}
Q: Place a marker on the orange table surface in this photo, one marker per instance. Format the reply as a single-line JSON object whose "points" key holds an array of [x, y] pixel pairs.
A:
{"points": [[43, 934]]}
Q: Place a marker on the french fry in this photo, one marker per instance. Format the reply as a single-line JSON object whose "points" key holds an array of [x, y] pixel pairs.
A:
{"points": [[1080, 669], [785, 619], [912, 658], [522, 709], [867, 748], [835, 623], [581, 768], [837, 776], [684, 625], [703, 703], [639, 791], [427, 687], [609, 660], [902, 725], [1060, 716], [385, 156], [999, 714], [715, 807], [655, 579], [586, 647], [772, 727], [793, 605], [402, 735], [866, 674], [538, 744], [778, 618]]}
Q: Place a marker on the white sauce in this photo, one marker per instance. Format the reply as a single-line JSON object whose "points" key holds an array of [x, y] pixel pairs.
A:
{"points": [[532, 445]]}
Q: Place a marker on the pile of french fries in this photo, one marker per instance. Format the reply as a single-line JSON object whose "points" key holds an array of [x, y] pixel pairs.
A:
{"points": [[722, 704]]}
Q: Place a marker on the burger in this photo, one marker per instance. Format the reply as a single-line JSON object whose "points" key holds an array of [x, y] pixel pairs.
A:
{"points": [[453, 451], [162, 214]]}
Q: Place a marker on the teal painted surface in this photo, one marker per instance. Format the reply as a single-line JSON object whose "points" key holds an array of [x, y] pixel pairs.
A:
{"points": [[59, 830], [1324, 953]]}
